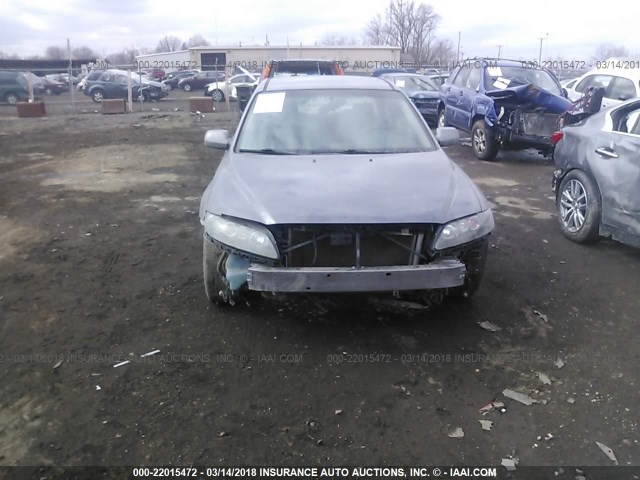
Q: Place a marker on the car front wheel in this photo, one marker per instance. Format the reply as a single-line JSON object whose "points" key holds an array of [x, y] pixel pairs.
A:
{"points": [[441, 121], [11, 98], [217, 95], [186, 88], [579, 207], [169, 87], [483, 141], [97, 96]]}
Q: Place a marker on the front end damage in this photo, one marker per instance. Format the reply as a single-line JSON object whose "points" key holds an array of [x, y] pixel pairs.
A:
{"points": [[358, 258], [526, 116]]}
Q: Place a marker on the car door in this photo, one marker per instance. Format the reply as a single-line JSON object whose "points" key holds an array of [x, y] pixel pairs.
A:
{"points": [[454, 93], [617, 154], [469, 94]]}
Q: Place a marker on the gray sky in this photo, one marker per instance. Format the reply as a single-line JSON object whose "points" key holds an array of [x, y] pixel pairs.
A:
{"points": [[29, 26]]}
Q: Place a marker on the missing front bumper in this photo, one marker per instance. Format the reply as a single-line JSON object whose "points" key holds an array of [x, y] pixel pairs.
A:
{"points": [[445, 273]]}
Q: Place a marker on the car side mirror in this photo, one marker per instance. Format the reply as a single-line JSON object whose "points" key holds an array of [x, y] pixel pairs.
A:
{"points": [[565, 94], [217, 139], [447, 136]]}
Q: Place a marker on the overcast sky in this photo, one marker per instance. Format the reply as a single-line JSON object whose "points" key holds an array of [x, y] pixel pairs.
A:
{"points": [[28, 27]]}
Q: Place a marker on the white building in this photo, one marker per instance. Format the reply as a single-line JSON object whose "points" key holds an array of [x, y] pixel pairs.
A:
{"points": [[254, 58]]}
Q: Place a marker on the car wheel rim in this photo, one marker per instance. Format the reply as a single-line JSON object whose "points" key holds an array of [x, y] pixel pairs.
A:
{"points": [[441, 120], [573, 206], [187, 88], [217, 96], [97, 96], [12, 99], [479, 141]]}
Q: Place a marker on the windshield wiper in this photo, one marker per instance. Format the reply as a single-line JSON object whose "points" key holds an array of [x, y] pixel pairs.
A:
{"points": [[355, 151], [265, 151]]}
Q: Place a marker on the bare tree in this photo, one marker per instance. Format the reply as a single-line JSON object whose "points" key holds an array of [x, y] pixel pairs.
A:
{"points": [[197, 41], [83, 53], [376, 31], [332, 40], [441, 53], [400, 15], [424, 23], [168, 44], [55, 53], [607, 50]]}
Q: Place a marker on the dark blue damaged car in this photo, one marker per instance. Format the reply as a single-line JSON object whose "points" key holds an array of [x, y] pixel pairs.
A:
{"points": [[503, 104]]}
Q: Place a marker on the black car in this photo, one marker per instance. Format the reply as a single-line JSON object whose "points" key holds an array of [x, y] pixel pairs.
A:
{"points": [[596, 183], [13, 87], [53, 87], [172, 80], [422, 91], [200, 80], [114, 84]]}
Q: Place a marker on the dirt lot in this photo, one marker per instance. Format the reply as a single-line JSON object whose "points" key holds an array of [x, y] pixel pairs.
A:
{"points": [[100, 261]]}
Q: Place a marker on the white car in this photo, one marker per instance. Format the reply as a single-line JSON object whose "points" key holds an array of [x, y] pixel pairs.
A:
{"points": [[620, 85], [569, 83], [221, 90]]}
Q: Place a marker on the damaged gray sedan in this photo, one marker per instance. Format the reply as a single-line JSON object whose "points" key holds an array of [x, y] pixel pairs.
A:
{"points": [[336, 184]]}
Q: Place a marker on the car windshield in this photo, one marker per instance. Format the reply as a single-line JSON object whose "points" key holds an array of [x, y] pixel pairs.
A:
{"points": [[302, 122], [515, 76], [415, 83]]}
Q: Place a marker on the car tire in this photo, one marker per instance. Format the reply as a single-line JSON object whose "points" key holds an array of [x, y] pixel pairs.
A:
{"points": [[215, 287], [483, 141], [441, 119], [11, 98], [97, 95], [217, 95], [144, 96], [579, 207], [186, 87]]}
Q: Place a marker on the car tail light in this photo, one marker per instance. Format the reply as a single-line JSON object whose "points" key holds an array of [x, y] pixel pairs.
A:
{"points": [[556, 137], [267, 71], [339, 70]]}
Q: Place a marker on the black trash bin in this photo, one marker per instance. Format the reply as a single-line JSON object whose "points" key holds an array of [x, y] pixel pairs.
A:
{"points": [[244, 94]]}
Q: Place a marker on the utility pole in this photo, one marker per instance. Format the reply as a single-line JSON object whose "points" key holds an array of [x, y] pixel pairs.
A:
{"points": [[540, 53], [499, 50], [71, 89], [458, 54]]}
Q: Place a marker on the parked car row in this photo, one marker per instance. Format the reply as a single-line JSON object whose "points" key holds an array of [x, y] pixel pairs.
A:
{"points": [[14, 86]]}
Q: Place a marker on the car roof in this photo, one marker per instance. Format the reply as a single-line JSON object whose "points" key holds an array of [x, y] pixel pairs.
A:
{"points": [[630, 73], [338, 82]]}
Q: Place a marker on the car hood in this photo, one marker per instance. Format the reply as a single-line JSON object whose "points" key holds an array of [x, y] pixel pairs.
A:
{"points": [[530, 95], [409, 188]]}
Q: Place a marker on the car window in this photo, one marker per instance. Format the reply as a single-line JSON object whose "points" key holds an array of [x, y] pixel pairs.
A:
{"points": [[473, 80], [121, 79], [461, 78], [407, 82], [633, 122], [621, 89], [303, 122], [106, 77], [595, 81], [240, 79], [503, 76]]}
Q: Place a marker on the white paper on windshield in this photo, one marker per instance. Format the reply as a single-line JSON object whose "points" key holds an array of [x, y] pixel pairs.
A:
{"points": [[269, 103], [400, 83], [494, 71], [501, 83]]}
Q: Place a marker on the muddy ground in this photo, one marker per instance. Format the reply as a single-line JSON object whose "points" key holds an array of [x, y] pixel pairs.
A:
{"points": [[100, 262]]}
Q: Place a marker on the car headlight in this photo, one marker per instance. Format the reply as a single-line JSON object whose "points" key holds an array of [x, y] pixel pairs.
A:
{"points": [[464, 230], [250, 238]]}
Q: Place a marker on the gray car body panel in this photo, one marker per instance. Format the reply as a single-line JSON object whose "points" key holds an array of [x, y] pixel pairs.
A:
{"points": [[408, 188], [618, 179]]}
